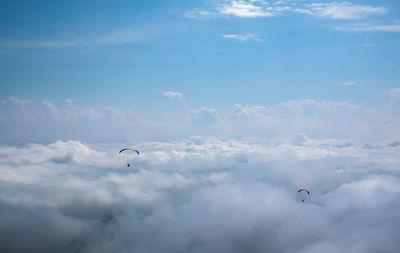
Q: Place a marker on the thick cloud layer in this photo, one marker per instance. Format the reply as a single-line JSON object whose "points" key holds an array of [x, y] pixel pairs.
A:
{"points": [[201, 195]]}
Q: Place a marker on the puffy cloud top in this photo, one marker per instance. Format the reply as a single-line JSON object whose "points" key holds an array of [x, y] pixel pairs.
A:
{"points": [[201, 194]]}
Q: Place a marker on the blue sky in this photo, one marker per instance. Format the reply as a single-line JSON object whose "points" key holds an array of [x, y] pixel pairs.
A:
{"points": [[215, 53]]}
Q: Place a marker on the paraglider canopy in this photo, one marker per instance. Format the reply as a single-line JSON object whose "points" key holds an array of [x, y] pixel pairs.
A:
{"points": [[129, 149], [304, 190]]}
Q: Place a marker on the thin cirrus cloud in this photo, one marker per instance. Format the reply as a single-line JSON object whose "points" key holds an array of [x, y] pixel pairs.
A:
{"points": [[16, 100], [350, 83], [117, 37], [365, 27], [198, 13], [241, 37], [344, 10]]}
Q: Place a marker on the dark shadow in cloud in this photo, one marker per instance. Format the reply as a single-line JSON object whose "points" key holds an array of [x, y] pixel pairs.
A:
{"points": [[41, 229], [63, 158]]}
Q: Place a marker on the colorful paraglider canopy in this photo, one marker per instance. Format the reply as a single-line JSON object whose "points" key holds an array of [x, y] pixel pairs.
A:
{"points": [[304, 190], [129, 149]]}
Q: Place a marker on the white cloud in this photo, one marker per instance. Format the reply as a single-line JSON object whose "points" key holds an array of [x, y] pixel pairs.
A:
{"points": [[58, 152], [174, 95], [263, 8], [56, 112], [299, 105], [325, 118], [321, 118], [241, 37], [244, 9], [176, 195], [198, 13], [350, 83], [344, 10], [293, 106], [368, 28], [394, 93], [253, 111], [16, 100], [20, 109], [90, 113], [72, 113], [127, 116], [204, 116], [69, 101]]}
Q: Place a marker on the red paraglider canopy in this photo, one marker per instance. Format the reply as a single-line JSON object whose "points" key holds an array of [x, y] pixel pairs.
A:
{"points": [[305, 190]]}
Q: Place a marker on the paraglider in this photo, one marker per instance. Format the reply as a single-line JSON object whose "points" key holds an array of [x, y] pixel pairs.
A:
{"points": [[124, 149], [129, 149], [304, 193]]}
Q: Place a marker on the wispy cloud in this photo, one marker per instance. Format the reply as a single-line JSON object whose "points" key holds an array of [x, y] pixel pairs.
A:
{"points": [[18, 101], [174, 95], [71, 113], [198, 13], [21, 109], [343, 10], [327, 118], [116, 37], [264, 8], [394, 93], [310, 116], [293, 106], [368, 28], [350, 83], [126, 116], [204, 116], [55, 111], [241, 37]]}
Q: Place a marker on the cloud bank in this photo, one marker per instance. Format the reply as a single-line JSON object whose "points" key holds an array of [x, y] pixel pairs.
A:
{"points": [[49, 121], [201, 194]]}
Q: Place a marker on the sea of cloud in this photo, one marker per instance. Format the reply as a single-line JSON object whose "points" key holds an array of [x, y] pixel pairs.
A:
{"points": [[201, 194]]}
